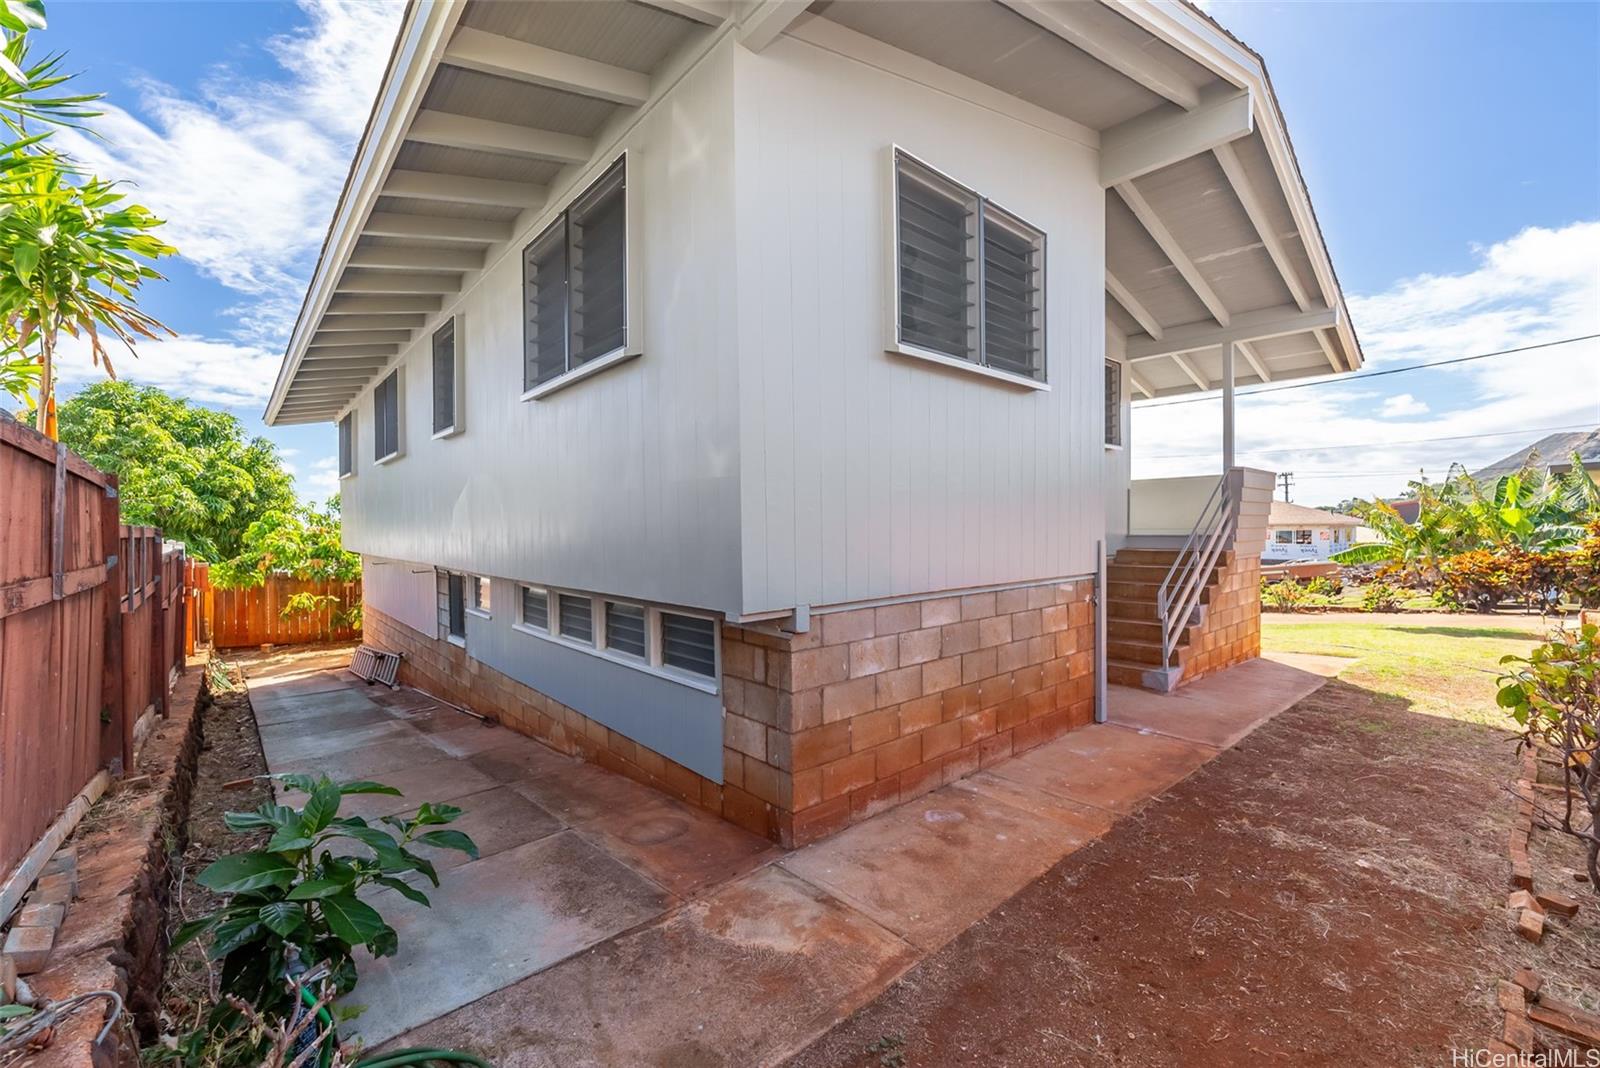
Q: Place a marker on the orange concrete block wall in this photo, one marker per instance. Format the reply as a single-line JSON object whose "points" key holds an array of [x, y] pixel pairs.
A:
{"points": [[1231, 633]]}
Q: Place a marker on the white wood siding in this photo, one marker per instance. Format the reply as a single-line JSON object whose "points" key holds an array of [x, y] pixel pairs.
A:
{"points": [[1119, 462], [868, 475], [626, 482]]}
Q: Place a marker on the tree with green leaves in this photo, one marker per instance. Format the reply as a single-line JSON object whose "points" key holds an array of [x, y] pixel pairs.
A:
{"points": [[189, 470]]}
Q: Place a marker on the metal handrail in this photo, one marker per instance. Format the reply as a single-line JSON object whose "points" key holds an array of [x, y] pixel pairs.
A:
{"points": [[1194, 562]]}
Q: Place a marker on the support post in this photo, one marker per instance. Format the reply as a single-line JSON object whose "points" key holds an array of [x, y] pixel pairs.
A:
{"points": [[1227, 406], [1100, 709], [116, 737]]}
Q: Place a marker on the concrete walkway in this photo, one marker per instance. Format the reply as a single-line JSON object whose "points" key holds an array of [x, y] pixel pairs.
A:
{"points": [[606, 924]]}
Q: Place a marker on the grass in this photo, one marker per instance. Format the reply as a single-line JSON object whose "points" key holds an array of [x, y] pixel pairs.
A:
{"points": [[1446, 670]]}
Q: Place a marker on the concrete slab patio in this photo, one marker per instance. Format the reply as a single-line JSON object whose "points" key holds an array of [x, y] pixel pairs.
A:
{"points": [[607, 924]]}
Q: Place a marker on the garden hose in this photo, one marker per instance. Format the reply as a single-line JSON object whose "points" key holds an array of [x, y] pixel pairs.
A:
{"points": [[392, 1059]]}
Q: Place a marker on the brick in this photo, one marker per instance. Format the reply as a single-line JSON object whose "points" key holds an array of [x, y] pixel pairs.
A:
{"points": [[994, 691], [895, 687], [779, 668], [941, 675], [896, 756], [41, 915], [1041, 596], [1523, 899], [53, 889], [1010, 714], [977, 606], [819, 745], [941, 739], [959, 638], [807, 788], [780, 749], [842, 776], [28, 948], [976, 727], [1560, 904], [870, 656], [745, 735], [993, 749], [1028, 624], [821, 820], [874, 728], [1055, 618], [739, 660], [920, 646], [961, 701], [1511, 997], [844, 700], [748, 811], [979, 665], [1530, 926], [922, 779], [760, 704], [805, 711], [1011, 656], [768, 783], [732, 767], [1009, 601], [897, 618], [840, 628], [941, 610], [960, 764], [921, 714], [819, 667], [993, 631], [872, 799]]}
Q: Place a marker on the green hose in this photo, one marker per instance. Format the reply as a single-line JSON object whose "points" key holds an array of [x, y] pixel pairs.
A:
{"points": [[392, 1059]]}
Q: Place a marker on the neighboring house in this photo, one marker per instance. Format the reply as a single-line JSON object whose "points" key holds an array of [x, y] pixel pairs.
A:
{"points": [[1295, 532], [737, 395], [1407, 508], [1554, 452]]}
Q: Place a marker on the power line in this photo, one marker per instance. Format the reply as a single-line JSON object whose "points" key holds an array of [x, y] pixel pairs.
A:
{"points": [[1380, 444], [1362, 376]]}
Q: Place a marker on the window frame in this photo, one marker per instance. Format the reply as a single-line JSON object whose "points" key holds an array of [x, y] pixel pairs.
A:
{"points": [[399, 416], [1115, 443], [1309, 536], [521, 623], [652, 663], [449, 596], [453, 323], [480, 596], [347, 437], [633, 290], [1283, 537], [978, 366]]}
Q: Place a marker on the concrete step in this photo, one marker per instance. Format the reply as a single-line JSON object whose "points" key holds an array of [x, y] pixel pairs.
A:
{"points": [[1162, 557], [1142, 652], [1145, 592], [1144, 676], [1148, 573], [1139, 630]]}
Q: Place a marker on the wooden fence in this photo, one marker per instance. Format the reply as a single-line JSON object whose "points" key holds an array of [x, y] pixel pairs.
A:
{"points": [[233, 619], [89, 631]]}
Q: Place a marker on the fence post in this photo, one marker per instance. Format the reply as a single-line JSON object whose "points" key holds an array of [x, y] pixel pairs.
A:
{"points": [[158, 628], [116, 736]]}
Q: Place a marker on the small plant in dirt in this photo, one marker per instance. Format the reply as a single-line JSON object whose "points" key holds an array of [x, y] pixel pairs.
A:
{"points": [[1326, 586], [1380, 597], [1554, 695], [1288, 596], [299, 898]]}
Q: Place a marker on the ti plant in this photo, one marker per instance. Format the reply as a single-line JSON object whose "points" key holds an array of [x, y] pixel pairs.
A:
{"points": [[1553, 693], [300, 896]]}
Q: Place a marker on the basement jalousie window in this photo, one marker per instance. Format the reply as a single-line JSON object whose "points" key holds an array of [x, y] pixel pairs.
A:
{"points": [[678, 644], [347, 445], [456, 606], [969, 276], [535, 608], [575, 284], [386, 418]]}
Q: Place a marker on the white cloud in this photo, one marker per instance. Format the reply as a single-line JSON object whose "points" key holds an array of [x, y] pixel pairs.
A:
{"points": [[1401, 405], [318, 482], [225, 373], [246, 171], [1340, 440]]}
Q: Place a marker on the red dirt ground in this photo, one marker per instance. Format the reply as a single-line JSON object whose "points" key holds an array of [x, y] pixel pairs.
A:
{"points": [[1331, 891]]}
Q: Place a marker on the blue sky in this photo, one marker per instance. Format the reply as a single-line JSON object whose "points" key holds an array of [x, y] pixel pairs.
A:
{"points": [[1452, 152]]}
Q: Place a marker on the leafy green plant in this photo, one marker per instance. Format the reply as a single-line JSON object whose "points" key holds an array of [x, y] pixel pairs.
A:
{"points": [[1380, 597], [1287, 595], [300, 897], [1324, 586], [1553, 694]]}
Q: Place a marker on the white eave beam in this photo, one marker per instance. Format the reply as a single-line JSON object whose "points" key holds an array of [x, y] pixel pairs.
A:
{"points": [[436, 228], [418, 258], [766, 21], [1253, 207], [1247, 326], [506, 57], [1173, 251], [1251, 357], [1327, 350], [361, 337], [1192, 371], [412, 305], [1074, 23], [398, 282], [461, 189], [1139, 383], [1164, 136], [705, 12], [395, 321], [485, 135], [1131, 304]]}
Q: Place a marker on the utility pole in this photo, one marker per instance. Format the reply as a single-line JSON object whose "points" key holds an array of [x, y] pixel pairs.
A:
{"points": [[1287, 478]]}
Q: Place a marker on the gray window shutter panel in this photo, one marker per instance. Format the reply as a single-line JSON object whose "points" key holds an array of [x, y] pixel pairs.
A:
{"points": [[937, 283], [535, 608], [598, 269], [444, 377], [1011, 320], [544, 289], [689, 643], [577, 617], [625, 629]]}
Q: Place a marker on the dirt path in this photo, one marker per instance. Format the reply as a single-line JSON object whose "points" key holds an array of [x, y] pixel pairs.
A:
{"points": [[1329, 892]]}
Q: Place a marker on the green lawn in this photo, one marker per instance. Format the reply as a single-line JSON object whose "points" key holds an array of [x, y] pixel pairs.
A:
{"points": [[1442, 665]]}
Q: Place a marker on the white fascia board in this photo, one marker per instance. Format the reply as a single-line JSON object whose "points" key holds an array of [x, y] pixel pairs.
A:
{"points": [[1192, 33], [1247, 326], [705, 12], [1164, 136], [423, 34], [1069, 22], [506, 57]]}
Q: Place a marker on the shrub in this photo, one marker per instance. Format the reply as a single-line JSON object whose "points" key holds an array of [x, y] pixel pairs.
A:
{"points": [[1324, 586], [295, 901], [1380, 597], [1287, 595], [1554, 695]]}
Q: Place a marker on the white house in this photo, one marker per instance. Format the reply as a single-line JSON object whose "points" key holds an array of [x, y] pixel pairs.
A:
{"points": [[1295, 532], [737, 393]]}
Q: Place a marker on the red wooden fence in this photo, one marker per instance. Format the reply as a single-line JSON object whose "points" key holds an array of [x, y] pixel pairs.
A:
{"points": [[232, 619], [88, 631]]}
